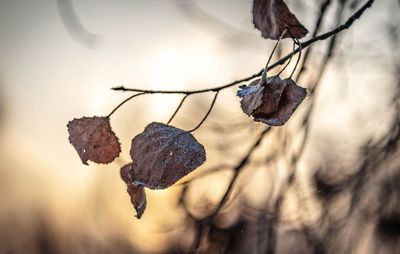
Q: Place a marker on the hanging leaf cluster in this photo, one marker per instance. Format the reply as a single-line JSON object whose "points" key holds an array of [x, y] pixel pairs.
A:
{"points": [[272, 100], [163, 154]]}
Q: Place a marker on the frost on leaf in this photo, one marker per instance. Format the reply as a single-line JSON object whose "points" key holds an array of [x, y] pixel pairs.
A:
{"points": [[135, 191], [272, 17], [93, 139], [161, 155], [272, 102]]}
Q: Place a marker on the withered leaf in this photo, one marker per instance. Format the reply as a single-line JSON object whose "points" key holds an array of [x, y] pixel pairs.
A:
{"points": [[272, 17], [251, 96], [163, 154], [135, 191], [93, 139], [272, 102]]}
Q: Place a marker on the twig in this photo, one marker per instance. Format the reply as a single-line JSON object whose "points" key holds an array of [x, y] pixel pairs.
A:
{"points": [[237, 169], [177, 109], [123, 102], [208, 112], [295, 41], [304, 45], [298, 58], [264, 75], [224, 199], [290, 59], [207, 172], [189, 92], [322, 12]]}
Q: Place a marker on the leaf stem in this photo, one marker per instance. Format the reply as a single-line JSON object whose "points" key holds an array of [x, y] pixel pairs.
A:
{"points": [[296, 41], [290, 59], [177, 109], [123, 102], [264, 75], [208, 112], [303, 45]]}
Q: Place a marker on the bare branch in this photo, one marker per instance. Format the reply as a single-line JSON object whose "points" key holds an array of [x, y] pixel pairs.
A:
{"points": [[177, 109], [208, 112], [303, 45]]}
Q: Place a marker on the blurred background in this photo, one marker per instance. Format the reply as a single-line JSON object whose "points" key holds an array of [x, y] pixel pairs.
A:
{"points": [[327, 182]]}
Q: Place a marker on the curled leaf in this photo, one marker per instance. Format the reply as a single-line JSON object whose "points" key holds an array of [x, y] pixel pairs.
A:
{"points": [[135, 191], [272, 102], [93, 139], [273, 17], [161, 155]]}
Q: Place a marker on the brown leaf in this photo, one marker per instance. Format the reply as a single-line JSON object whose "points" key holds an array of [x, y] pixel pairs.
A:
{"points": [[273, 102], [272, 17], [251, 96], [163, 154], [93, 139], [135, 191]]}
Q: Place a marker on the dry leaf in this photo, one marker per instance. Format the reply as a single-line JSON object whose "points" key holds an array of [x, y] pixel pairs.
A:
{"points": [[272, 102], [272, 17], [93, 139], [136, 192], [163, 154], [251, 96]]}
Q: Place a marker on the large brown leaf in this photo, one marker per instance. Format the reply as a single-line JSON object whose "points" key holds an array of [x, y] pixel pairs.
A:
{"points": [[272, 102], [161, 155], [93, 139], [272, 17]]}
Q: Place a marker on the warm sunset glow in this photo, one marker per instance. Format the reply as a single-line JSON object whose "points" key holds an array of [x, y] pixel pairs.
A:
{"points": [[51, 74]]}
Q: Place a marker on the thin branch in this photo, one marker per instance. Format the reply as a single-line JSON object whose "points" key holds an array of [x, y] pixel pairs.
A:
{"points": [[304, 45], [322, 12], [237, 169], [215, 169], [123, 102], [208, 112], [177, 109], [224, 199], [264, 75], [189, 92], [290, 59], [296, 41]]}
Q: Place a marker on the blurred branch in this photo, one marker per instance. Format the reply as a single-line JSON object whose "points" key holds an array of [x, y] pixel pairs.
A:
{"points": [[194, 14], [237, 169], [207, 114], [74, 26], [322, 12], [312, 239], [304, 45]]}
